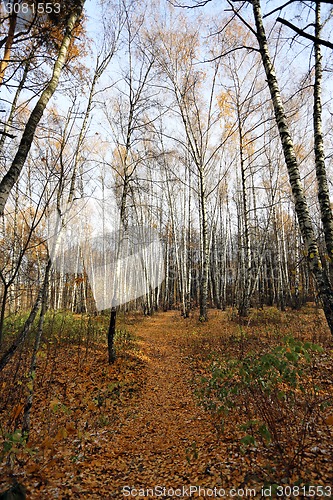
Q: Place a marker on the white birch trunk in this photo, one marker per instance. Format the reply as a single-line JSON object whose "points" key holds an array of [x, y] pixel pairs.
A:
{"points": [[301, 205]]}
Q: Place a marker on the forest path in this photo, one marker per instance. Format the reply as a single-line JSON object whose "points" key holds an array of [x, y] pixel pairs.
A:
{"points": [[100, 430], [165, 439]]}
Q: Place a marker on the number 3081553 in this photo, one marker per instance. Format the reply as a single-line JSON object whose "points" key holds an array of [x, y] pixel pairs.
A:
{"points": [[32, 8]]}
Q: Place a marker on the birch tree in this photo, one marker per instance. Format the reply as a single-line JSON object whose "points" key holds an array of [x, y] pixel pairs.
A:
{"points": [[194, 95], [323, 189], [301, 206], [12, 175], [127, 114]]}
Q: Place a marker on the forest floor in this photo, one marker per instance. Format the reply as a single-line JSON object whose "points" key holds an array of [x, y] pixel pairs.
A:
{"points": [[137, 428]]}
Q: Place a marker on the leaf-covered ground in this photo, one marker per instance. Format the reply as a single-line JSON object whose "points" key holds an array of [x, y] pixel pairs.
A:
{"points": [[98, 430]]}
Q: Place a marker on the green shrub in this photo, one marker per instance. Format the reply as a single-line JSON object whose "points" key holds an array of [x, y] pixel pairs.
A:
{"points": [[14, 324], [274, 395], [61, 327]]}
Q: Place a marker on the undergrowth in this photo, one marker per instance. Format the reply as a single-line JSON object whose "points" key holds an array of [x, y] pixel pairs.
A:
{"points": [[271, 388], [277, 395], [82, 339]]}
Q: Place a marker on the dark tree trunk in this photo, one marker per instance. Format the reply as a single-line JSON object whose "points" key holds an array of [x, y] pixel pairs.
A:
{"points": [[111, 335]]}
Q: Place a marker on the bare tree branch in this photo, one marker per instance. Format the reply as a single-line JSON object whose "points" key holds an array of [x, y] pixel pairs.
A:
{"points": [[230, 51], [279, 8], [7, 134], [236, 12], [305, 34], [197, 3]]}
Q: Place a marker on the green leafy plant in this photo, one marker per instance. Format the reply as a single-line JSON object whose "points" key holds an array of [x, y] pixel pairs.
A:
{"points": [[274, 393], [13, 445]]}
